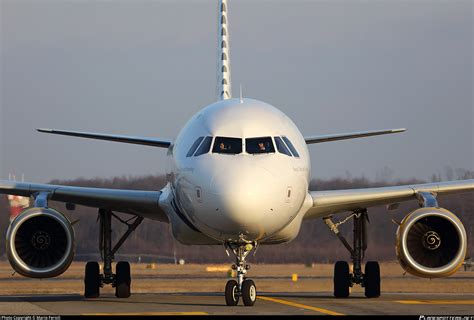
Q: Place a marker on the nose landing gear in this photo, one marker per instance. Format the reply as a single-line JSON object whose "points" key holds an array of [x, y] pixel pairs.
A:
{"points": [[243, 287]]}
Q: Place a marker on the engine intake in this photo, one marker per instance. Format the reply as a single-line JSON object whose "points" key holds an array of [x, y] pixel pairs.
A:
{"points": [[40, 243], [431, 243]]}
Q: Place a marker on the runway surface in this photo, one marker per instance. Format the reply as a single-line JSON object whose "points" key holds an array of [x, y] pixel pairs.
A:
{"points": [[213, 303]]}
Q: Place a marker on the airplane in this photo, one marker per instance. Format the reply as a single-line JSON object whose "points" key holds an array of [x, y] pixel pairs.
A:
{"points": [[236, 182]]}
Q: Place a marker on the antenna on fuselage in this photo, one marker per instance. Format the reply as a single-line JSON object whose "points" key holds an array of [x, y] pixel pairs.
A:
{"points": [[223, 68], [241, 95]]}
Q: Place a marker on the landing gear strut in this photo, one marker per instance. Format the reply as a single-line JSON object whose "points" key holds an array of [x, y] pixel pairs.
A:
{"points": [[121, 280], [343, 279], [243, 287]]}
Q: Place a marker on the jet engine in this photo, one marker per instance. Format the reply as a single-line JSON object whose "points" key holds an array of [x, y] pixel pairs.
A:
{"points": [[40, 243], [431, 243]]}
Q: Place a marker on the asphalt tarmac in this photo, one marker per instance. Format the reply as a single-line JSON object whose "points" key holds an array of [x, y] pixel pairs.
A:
{"points": [[267, 304]]}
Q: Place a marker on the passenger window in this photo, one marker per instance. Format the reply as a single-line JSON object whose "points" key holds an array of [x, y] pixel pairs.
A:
{"points": [[227, 145], [290, 145], [281, 147], [194, 147], [205, 147], [259, 145]]}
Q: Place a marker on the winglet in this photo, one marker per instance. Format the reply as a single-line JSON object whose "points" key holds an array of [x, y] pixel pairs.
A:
{"points": [[399, 130]]}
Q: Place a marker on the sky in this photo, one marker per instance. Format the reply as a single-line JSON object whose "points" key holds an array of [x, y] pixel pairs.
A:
{"points": [[144, 68]]}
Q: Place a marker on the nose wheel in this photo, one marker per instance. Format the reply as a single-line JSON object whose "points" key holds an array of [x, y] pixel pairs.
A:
{"points": [[232, 293], [249, 292], [242, 287]]}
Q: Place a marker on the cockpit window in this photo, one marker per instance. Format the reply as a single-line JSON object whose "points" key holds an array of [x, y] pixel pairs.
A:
{"points": [[281, 147], [227, 145], [259, 145], [204, 147], [290, 145], [194, 147]]}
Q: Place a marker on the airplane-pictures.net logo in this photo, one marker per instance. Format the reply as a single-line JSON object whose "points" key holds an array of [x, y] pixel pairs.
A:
{"points": [[422, 317]]}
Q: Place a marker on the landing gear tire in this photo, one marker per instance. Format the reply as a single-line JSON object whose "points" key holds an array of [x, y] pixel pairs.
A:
{"points": [[372, 279], [92, 280], [122, 279], [249, 292], [342, 279], [231, 293]]}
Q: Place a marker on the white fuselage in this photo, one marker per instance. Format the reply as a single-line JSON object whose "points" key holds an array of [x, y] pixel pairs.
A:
{"points": [[227, 195]]}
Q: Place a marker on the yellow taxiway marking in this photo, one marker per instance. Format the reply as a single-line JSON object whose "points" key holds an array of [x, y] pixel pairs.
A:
{"points": [[435, 301], [147, 314], [299, 305]]}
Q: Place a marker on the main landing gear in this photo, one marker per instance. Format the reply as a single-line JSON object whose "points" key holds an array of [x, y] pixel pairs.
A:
{"points": [[243, 287], [121, 280], [343, 278]]}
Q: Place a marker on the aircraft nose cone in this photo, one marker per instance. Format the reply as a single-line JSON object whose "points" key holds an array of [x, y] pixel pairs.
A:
{"points": [[243, 197], [248, 180]]}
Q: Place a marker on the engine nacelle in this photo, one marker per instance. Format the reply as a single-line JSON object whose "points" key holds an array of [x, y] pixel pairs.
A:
{"points": [[40, 243], [431, 243]]}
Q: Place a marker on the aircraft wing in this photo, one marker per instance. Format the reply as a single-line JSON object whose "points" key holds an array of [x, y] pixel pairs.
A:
{"points": [[152, 142], [141, 203], [352, 135], [326, 203]]}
